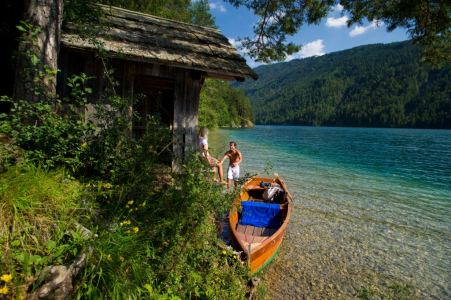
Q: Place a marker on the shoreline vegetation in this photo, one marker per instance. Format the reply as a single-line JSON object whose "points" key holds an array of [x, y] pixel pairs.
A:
{"points": [[140, 248], [153, 232], [221, 105]]}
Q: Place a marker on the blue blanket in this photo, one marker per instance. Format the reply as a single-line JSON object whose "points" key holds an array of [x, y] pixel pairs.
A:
{"points": [[261, 214]]}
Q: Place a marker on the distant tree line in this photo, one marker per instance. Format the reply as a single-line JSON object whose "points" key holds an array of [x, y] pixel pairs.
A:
{"points": [[369, 86], [222, 105]]}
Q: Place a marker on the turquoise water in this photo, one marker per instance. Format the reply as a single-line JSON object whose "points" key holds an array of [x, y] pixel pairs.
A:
{"points": [[372, 207]]}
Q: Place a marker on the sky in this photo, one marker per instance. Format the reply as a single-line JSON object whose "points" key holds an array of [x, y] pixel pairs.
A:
{"points": [[330, 36]]}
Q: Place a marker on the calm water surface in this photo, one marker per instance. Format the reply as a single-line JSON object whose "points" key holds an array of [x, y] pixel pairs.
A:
{"points": [[372, 208]]}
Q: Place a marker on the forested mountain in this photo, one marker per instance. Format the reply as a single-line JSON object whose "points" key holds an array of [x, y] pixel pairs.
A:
{"points": [[222, 105], [381, 85]]}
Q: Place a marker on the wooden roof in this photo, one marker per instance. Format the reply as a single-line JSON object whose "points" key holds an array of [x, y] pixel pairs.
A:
{"points": [[146, 38]]}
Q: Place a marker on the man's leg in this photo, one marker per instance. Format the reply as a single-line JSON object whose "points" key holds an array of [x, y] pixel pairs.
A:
{"points": [[236, 176], [229, 177]]}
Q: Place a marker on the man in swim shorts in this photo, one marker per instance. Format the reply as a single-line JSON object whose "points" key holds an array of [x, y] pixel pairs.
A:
{"points": [[235, 158]]}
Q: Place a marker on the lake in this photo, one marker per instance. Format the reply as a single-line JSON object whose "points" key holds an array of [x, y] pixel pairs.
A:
{"points": [[372, 208]]}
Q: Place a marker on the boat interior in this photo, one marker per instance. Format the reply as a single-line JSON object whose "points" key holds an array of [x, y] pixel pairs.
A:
{"points": [[253, 236]]}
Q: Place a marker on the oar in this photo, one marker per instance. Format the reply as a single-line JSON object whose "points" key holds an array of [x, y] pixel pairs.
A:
{"points": [[283, 185]]}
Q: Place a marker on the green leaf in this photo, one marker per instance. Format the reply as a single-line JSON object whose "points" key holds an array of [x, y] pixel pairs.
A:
{"points": [[148, 287], [15, 243], [22, 257], [35, 259], [34, 60], [75, 235], [51, 245]]}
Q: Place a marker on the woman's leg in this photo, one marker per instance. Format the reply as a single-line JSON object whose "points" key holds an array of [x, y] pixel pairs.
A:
{"points": [[220, 172]]}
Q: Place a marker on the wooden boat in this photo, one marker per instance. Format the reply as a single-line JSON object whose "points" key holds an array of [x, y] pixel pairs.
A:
{"points": [[259, 244]]}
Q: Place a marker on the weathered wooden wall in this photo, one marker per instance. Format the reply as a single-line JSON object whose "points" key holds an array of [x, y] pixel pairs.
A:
{"points": [[186, 91]]}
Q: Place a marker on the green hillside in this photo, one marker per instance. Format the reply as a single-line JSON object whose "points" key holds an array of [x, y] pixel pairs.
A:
{"points": [[222, 105], [381, 85]]}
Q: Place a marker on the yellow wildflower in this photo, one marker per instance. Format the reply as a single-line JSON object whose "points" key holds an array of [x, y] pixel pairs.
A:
{"points": [[127, 222], [128, 231], [130, 202], [4, 290], [242, 262], [121, 258], [135, 230], [107, 185], [121, 224], [108, 257], [126, 206], [6, 277], [144, 204], [224, 252], [234, 256], [131, 209], [84, 144]]}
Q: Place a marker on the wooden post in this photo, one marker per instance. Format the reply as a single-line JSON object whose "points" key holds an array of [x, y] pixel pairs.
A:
{"points": [[178, 129]]}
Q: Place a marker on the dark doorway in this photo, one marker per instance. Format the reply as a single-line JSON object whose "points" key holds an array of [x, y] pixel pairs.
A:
{"points": [[156, 99]]}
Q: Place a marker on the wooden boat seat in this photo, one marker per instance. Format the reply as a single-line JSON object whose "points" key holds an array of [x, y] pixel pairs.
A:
{"points": [[253, 236]]}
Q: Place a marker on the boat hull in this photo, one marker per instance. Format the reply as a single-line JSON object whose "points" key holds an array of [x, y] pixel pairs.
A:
{"points": [[259, 248]]}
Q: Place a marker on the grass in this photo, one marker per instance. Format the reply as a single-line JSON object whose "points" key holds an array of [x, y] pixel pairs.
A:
{"points": [[158, 242], [37, 213]]}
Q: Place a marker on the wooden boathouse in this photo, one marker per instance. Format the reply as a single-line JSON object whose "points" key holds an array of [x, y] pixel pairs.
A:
{"points": [[164, 61]]}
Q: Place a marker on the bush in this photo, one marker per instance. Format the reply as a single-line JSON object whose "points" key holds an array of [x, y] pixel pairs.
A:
{"points": [[155, 231]]}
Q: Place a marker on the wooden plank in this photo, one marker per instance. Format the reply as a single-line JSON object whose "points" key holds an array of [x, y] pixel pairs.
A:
{"points": [[192, 93], [245, 238], [260, 239], [249, 238], [194, 107], [249, 230], [241, 236], [240, 228], [258, 231], [255, 245], [266, 231], [178, 119]]}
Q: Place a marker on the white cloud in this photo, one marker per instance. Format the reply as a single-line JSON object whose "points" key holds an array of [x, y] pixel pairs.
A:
{"points": [[340, 22], [358, 30], [338, 7], [314, 48], [253, 64], [235, 43], [218, 6]]}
